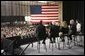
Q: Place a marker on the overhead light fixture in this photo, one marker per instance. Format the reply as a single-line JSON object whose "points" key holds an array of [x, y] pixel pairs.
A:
{"points": [[43, 1]]}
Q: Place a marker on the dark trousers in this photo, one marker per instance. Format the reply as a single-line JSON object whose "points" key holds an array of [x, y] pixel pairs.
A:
{"points": [[41, 38], [70, 37], [52, 39]]}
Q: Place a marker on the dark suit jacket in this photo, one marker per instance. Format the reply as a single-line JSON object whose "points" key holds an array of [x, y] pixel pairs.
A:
{"points": [[73, 29], [64, 30], [40, 31], [54, 30]]}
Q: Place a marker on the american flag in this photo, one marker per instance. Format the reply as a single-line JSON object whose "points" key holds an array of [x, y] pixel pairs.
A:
{"points": [[46, 13]]}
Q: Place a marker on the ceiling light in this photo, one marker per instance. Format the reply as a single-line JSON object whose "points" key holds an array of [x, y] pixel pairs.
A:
{"points": [[43, 1]]}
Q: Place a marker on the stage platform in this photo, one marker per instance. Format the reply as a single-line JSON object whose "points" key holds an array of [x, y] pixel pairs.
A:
{"points": [[53, 50]]}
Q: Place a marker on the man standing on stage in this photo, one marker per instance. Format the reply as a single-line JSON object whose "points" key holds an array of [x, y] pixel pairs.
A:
{"points": [[41, 32], [54, 30]]}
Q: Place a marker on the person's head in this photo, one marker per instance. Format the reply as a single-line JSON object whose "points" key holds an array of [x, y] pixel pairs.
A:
{"points": [[40, 21], [57, 23], [64, 24], [71, 21], [53, 22], [76, 21], [50, 23], [4, 36]]}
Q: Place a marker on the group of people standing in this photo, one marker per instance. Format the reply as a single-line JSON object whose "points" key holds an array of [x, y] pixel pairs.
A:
{"points": [[55, 30]]}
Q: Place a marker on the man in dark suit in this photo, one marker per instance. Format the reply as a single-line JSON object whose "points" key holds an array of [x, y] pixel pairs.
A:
{"points": [[64, 30], [72, 28], [54, 30], [41, 32]]}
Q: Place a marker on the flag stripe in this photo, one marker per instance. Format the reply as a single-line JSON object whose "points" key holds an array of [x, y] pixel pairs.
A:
{"points": [[50, 10], [44, 18], [45, 15], [50, 5], [43, 7]]}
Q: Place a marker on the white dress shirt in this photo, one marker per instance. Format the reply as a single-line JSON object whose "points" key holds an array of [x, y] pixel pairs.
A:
{"points": [[78, 27]]}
